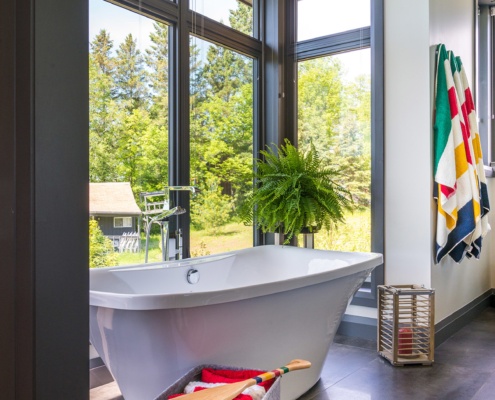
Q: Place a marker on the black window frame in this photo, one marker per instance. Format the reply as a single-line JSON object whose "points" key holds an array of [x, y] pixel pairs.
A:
{"points": [[484, 78]]}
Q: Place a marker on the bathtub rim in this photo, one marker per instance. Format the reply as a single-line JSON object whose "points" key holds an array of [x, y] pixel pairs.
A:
{"points": [[157, 301]]}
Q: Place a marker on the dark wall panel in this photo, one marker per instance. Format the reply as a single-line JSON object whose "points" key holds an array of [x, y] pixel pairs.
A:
{"points": [[60, 99], [7, 199]]}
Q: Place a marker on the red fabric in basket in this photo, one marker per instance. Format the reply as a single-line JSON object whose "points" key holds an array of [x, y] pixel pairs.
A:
{"points": [[210, 375]]}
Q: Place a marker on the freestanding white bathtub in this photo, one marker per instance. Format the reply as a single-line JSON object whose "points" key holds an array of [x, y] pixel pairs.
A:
{"points": [[257, 308]]}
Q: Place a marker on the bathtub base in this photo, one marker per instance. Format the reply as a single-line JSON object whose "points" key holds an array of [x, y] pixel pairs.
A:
{"points": [[147, 350]]}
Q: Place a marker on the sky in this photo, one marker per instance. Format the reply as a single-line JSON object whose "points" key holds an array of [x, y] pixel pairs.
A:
{"points": [[316, 18], [120, 22]]}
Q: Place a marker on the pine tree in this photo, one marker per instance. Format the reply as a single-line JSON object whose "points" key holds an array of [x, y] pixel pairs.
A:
{"points": [[241, 19], [130, 75], [156, 58], [226, 71], [101, 50], [103, 111]]}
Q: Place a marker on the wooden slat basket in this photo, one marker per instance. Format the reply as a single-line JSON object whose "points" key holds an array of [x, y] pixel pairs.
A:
{"points": [[406, 316]]}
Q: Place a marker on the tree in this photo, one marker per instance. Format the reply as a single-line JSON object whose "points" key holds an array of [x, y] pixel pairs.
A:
{"points": [[222, 127], [130, 75], [335, 116], [152, 165], [242, 18], [320, 95], [353, 148], [103, 110], [101, 49], [225, 72], [156, 58], [211, 209]]}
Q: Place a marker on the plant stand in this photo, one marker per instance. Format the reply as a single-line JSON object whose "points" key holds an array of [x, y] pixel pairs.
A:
{"points": [[279, 238], [309, 240]]}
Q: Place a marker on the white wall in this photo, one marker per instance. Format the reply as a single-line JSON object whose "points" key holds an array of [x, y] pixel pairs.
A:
{"points": [[412, 29], [408, 236]]}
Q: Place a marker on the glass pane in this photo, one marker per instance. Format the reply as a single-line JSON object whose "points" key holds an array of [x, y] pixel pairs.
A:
{"points": [[334, 114], [128, 132], [317, 18], [221, 147], [234, 13]]}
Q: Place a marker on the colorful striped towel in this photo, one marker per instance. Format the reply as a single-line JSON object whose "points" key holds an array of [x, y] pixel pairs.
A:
{"points": [[482, 226], [456, 172]]}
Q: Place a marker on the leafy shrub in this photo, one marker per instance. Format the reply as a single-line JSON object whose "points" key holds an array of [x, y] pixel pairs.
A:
{"points": [[101, 252], [211, 209]]}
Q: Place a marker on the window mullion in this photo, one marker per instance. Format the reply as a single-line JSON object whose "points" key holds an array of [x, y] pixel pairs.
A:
{"points": [[223, 35], [179, 122], [333, 44], [161, 10]]}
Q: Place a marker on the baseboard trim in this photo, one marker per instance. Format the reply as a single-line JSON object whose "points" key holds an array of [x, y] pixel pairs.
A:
{"points": [[366, 328], [360, 327], [450, 325]]}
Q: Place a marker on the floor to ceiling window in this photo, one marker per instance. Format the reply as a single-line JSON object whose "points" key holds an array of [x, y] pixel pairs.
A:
{"points": [[129, 129], [175, 98], [339, 108], [221, 157], [174, 90], [334, 114]]}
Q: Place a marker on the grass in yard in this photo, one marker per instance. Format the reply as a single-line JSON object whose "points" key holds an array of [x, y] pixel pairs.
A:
{"points": [[229, 237], [233, 236], [353, 235]]}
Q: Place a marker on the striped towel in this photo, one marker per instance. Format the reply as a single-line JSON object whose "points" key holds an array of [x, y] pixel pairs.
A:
{"points": [[457, 181], [471, 118]]}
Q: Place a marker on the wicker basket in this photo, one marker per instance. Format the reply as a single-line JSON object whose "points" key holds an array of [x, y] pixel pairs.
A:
{"points": [[406, 324], [195, 375]]}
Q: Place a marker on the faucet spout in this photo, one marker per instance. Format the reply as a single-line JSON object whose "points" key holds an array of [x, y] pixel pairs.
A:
{"points": [[170, 213], [191, 189]]}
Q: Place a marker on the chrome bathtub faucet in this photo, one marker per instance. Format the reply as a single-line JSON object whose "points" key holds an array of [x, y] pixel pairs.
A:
{"points": [[157, 211]]}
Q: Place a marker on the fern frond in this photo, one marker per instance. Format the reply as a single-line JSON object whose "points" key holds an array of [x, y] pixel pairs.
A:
{"points": [[295, 191]]}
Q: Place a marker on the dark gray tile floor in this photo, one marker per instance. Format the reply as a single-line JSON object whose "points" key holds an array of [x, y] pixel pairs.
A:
{"points": [[464, 369]]}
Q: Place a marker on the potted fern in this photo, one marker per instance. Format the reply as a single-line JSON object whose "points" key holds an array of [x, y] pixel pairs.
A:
{"points": [[295, 193]]}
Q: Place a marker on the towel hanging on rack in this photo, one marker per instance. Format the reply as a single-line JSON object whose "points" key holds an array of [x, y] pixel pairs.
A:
{"points": [[460, 186], [471, 120]]}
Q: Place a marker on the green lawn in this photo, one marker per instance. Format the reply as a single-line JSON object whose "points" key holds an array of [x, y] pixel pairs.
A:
{"points": [[229, 237], [353, 235]]}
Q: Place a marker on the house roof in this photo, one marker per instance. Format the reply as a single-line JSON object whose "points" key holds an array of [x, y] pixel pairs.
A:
{"points": [[112, 198]]}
